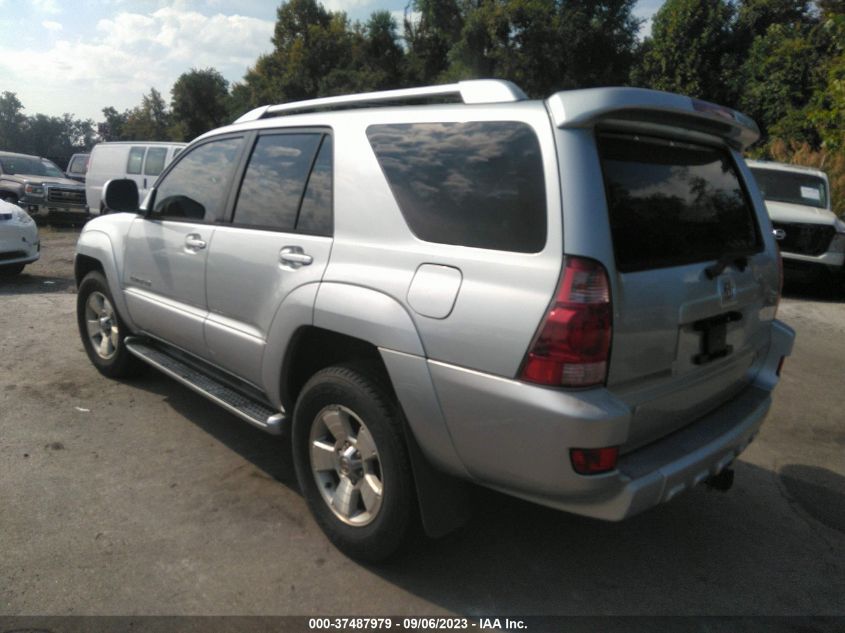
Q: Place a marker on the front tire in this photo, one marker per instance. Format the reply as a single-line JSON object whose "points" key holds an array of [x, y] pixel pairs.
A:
{"points": [[102, 330], [352, 462]]}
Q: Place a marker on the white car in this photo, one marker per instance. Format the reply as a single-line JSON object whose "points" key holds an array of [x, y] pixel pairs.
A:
{"points": [[19, 243], [798, 202]]}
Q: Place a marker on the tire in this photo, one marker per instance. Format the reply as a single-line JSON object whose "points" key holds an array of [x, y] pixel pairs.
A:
{"points": [[95, 316], [10, 270], [341, 486]]}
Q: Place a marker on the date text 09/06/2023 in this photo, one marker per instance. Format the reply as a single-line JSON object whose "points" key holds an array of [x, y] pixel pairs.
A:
{"points": [[415, 623]]}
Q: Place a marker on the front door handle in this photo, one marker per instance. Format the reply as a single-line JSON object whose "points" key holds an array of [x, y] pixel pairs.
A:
{"points": [[194, 242], [294, 257]]}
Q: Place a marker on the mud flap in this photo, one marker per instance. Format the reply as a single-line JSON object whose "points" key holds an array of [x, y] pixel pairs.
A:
{"points": [[444, 501]]}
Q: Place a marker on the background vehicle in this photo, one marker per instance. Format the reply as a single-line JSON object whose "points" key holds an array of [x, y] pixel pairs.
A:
{"points": [[141, 161], [798, 201], [39, 187], [77, 167], [19, 244], [572, 301]]}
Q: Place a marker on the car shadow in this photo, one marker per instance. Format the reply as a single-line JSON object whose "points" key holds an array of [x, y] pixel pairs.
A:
{"points": [[706, 552], [800, 284], [26, 284]]}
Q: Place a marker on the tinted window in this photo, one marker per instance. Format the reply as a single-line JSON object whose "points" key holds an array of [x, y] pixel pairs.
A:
{"points": [[136, 158], [784, 186], [275, 179], [79, 165], [315, 216], [155, 161], [29, 166], [196, 187], [673, 203], [472, 184]]}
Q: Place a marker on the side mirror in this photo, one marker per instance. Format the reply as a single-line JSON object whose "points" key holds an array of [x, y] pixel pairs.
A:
{"points": [[120, 195]]}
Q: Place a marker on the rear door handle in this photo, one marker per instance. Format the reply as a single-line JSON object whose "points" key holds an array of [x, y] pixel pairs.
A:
{"points": [[195, 242], [294, 257]]}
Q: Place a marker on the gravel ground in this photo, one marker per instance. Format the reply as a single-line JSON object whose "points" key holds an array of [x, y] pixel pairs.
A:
{"points": [[143, 498]]}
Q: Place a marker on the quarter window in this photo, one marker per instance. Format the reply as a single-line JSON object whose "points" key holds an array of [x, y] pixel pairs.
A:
{"points": [[136, 159], [196, 187], [275, 180], [472, 184]]}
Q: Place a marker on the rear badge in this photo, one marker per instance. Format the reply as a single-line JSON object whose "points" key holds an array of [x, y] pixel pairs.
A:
{"points": [[727, 290]]}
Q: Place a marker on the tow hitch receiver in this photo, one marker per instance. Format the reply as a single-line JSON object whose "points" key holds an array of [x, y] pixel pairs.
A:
{"points": [[723, 481]]}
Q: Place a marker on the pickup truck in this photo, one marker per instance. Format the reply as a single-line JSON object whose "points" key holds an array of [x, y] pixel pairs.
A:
{"points": [[40, 188]]}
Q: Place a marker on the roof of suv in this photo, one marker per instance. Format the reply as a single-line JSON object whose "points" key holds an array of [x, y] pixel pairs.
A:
{"points": [[765, 164], [571, 108]]}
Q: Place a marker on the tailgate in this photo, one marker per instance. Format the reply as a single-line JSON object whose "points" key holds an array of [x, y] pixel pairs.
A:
{"points": [[684, 235], [694, 283]]}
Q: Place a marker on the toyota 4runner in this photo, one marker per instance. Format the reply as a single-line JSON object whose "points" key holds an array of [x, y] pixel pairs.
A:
{"points": [[571, 301]]}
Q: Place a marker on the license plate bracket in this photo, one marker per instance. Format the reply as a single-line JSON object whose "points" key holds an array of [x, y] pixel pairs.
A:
{"points": [[714, 337]]}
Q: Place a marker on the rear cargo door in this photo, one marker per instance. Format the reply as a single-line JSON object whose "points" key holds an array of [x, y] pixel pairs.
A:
{"points": [[692, 304]]}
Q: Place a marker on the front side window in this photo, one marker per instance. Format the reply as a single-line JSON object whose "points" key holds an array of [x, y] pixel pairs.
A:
{"points": [[784, 186], [136, 159], [476, 184], [155, 161], [673, 203], [196, 187], [275, 180], [79, 165]]}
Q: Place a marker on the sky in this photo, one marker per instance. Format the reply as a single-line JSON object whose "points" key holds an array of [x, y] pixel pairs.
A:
{"points": [[79, 56]]}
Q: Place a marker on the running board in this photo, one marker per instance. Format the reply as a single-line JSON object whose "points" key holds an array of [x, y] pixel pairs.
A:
{"points": [[254, 412]]}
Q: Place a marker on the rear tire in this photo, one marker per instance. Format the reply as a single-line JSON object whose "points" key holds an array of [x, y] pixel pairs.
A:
{"points": [[352, 462], [102, 330]]}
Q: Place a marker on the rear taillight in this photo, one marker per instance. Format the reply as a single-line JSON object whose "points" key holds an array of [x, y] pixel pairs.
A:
{"points": [[572, 345]]}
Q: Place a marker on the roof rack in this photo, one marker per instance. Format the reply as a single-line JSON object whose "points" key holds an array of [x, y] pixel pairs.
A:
{"points": [[474, 91]]}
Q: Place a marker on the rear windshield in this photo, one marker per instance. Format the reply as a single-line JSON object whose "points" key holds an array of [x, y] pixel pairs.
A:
{"points": [[478, 183], [673, 203], [784, 186]]}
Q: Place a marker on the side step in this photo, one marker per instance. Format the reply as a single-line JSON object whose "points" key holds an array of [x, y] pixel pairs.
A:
{"points": [[254, 412]]}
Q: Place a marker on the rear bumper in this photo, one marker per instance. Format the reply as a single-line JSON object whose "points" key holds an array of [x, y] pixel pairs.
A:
{"points": [[830, 259], [516, 438]]}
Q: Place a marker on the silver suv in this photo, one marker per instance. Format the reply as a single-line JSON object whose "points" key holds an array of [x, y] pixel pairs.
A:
{"points": [[571, 300]]}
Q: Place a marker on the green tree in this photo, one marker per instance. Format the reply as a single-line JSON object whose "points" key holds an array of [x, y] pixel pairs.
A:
{"points": [[200, 102], [150, 121], [12, 122], [112, 129], [690, 50]]}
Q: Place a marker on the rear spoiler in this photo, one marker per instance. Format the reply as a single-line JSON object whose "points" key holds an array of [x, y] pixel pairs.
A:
{"points": [[653, 108]]}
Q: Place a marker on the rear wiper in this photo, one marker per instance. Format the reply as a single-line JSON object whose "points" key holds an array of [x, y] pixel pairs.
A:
{"points": [[739, 260]]}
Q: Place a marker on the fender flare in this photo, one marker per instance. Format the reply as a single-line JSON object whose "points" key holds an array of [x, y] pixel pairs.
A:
{"points": [[98, 245]]}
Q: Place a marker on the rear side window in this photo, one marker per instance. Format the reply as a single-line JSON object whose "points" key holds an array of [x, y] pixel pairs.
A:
{"points": [[136, 159], [275, 180], [315, 216], [155, 161], [471, 184], [673, 203]]}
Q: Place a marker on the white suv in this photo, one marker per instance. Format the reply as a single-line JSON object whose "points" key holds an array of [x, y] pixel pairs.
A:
{"points": [[798, 201]]}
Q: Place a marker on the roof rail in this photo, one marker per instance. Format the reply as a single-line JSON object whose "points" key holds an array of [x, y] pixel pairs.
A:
{"points": [[473, 91]]}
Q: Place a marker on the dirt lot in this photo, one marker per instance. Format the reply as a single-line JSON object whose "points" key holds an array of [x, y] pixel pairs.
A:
{"points": [[143, 498]]}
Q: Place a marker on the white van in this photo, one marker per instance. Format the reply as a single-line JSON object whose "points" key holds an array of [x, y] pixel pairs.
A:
{"points": [[141, 161]]}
